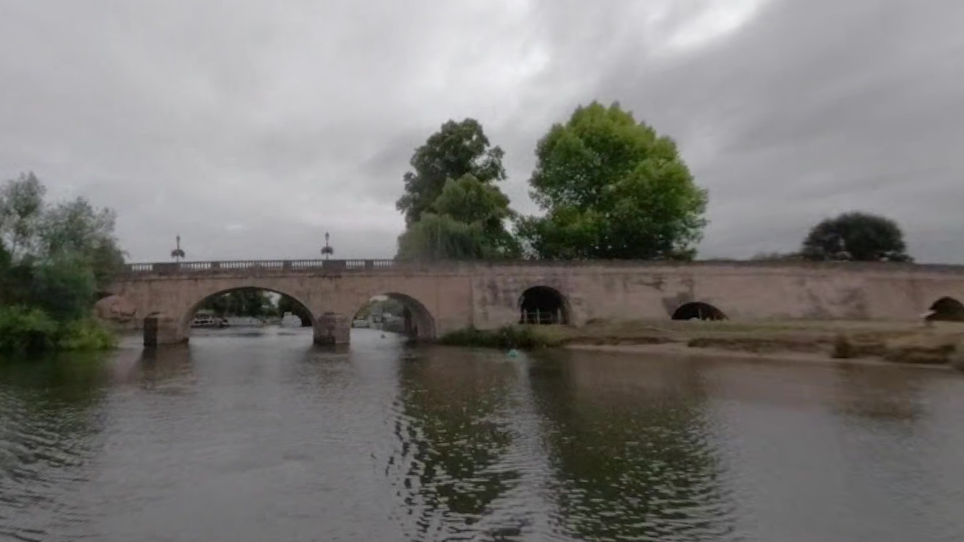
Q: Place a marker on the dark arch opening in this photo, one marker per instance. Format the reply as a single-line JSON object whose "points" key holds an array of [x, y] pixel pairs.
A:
{"points": [[541, 305], [396, 313], [244, 307], [698, 311], [947, 309]]}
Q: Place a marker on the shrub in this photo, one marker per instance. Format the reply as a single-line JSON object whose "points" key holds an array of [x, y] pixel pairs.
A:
{"points": [[86, 334], [25, 329], [506, 337]]}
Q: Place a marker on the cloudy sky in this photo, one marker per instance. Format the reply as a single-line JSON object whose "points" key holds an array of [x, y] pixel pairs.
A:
{"points": [[251, 127]]}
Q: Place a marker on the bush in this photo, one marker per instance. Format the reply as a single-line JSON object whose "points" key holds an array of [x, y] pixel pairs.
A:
{"points": [[86, 334], [24, 329], [29, 330], [506, 337]]}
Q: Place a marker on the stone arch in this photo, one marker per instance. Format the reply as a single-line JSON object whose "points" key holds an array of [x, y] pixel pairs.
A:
{"points": [[698, 311], [418, 320], [183, 320], [543, 305], [947, 309]]}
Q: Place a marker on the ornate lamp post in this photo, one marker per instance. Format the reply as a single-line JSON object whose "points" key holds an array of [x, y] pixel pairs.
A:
{"points": [[327, 250], [177, 253]]}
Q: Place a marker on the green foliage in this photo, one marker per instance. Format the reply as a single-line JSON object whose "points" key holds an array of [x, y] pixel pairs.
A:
{"points": [[452, 209], [86, 335], [456, 150], [611, 188], [506, 337], [856, 236], [442, 237], [53, 260], [25, 329], [63, 288]]}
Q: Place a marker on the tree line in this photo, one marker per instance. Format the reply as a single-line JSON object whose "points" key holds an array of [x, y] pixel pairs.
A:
{"points": [[609, 187], [55, 258]]}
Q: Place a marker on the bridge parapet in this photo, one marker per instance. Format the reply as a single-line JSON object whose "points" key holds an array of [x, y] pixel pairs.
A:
{"points": [[188, 268]]}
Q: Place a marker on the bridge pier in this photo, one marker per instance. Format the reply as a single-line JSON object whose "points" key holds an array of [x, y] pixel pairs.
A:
{"points": [[160, 330], [332, 329]]}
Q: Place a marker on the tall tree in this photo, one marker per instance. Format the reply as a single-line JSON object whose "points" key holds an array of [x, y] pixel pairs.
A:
{"points": [[456, 150], [611, 188], [452, 207], [856, 236], [21, 211], [77, 228]]}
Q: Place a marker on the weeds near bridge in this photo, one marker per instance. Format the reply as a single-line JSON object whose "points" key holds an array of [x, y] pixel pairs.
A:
{"points": [[506, 337]]}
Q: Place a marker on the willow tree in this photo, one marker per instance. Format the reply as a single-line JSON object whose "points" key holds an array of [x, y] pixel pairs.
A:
{"points": [[453, 209]]}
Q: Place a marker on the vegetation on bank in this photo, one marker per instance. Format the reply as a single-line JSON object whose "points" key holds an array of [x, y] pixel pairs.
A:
{"points": [[506, 337], [54, 259], [896, 342]]}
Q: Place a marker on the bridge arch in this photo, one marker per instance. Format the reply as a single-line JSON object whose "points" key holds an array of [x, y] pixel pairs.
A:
{"points": [[947, 309], [417, 320], [698, 311], [184, 319], [544, 305]]}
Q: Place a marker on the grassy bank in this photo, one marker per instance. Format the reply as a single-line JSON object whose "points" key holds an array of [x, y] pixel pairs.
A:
{"points": [[506, 337], [27, 330], [898, 342]]}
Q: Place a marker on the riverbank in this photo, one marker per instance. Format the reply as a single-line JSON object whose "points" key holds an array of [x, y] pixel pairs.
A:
{"points": [[893, 342]]}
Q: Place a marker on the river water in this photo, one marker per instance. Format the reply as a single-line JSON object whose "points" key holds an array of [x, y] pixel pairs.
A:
{"points": [[259, 436]]}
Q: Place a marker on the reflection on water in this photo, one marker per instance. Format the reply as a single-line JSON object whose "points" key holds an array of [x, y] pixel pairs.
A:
{"points": [[632, 456], [451, 465], [264, 436]]}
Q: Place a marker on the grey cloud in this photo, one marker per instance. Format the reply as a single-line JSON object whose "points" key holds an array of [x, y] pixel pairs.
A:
{"points": [[250, 128]]}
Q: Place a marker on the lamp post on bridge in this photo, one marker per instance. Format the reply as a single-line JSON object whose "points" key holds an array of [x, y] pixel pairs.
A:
{"points": [[177, 253], [327, 250]]}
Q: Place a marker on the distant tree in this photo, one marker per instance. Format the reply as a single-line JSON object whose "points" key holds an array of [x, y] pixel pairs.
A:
{"points": [[287, 304], [611, 188], [856, 236], [21, 212], [456, 150]]}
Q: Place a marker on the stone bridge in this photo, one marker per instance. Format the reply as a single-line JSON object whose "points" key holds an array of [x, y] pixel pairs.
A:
{"points": [[442, 297]]}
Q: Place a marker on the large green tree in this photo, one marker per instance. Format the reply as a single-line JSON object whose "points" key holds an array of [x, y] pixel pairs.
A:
{"points": [[53, 261], [453, 210], [456, 150], [856, 236], [611, 187]]}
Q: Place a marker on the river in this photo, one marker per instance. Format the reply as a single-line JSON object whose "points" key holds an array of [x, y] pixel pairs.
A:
{"points": [[259, 436]]}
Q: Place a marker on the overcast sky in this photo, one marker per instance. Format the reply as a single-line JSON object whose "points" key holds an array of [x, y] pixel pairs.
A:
{"points": [[250, 128]]}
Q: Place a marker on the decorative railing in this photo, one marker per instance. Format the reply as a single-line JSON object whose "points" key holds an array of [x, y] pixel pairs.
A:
{"points": [[338, 266], [177, 268]]}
